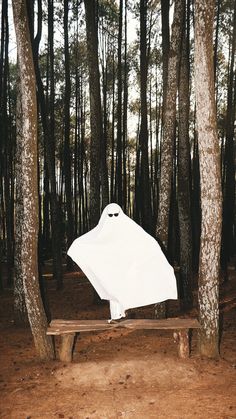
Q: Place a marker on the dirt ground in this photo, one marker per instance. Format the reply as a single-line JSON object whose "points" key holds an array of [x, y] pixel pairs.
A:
{"points": [[114, 374]]}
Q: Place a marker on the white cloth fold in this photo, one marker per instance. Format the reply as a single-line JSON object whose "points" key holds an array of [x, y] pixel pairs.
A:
{"points": [[123, 263]]}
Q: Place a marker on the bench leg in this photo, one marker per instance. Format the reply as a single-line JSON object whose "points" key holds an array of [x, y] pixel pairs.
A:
{"points": [[66, 348], [182, 339]]}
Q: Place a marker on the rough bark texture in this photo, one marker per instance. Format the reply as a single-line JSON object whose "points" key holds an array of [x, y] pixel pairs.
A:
{"points": [[195, 198], [20, 311], [29, 184], [67, 148], [229, 188], [95, 111], [50, 159], [169, 134], [6, 140], [145, 196], [184, 178], [169, 124], [165, 33], [209, 156]]}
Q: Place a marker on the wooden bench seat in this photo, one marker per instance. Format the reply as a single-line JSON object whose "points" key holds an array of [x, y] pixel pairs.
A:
{"points": [[67, 329]]}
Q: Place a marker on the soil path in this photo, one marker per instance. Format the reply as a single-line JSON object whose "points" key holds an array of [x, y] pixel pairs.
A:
{"points": [[115, 374]]}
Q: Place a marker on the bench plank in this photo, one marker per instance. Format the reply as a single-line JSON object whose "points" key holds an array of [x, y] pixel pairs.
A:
{"points": [[171, 323], [59, 327], [68, 329]]}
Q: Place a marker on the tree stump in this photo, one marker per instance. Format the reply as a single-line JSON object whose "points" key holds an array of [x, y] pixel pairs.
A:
{"points": [[66, 348]]}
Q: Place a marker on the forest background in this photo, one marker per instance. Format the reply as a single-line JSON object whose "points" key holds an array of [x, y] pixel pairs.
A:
{"points": [[116, 122]]}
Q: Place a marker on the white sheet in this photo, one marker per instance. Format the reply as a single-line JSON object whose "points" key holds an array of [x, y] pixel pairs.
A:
{"points": [[124, 264]]}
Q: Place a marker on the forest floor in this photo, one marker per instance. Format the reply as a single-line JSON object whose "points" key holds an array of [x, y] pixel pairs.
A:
{"points": [[114, 374]]}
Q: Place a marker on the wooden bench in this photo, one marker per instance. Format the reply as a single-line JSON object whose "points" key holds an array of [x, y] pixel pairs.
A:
{"points": [[67, 329]]}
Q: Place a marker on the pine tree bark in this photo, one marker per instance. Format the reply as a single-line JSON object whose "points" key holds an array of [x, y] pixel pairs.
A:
{"points": [[7, 145], [112, 181], [211, 196], [125, 115], [165, 33], [169, 124], [229, 186], [145, 194], [104, 168], [184, 178], [119, 111], [95, 111], [29, 184], [20, 310], [67, 148], [50, 159], [2, 150], [195, 198]]}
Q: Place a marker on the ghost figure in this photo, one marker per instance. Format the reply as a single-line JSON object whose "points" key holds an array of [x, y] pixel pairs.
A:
{"points": [[123, 263]]}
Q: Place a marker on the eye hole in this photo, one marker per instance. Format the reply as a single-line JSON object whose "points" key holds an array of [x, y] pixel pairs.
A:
{"points": [[116, 214], [110, 215]]}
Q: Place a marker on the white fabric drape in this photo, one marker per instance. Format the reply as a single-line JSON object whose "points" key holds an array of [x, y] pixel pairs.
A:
{"points": [[124, 264]]}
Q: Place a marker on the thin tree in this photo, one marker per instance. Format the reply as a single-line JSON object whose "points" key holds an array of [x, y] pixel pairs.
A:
{"points": [[169, 124], [119, 111], [165, 33], [7, 145], [184, 177], [229, 161], [29, 184], [211, 196], [145, 194], [49, 156], [20, 311], [67, 148], [125, 115], [51, 124], [3, 124], [112, 180], [195, 200], [95, 111]]}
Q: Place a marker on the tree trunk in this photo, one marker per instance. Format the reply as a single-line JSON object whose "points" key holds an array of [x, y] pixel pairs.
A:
{"points": [[77, 138], [51, 125], [20, 311], [169, 124], [125, 111], [112, 182], [29, 184], [145, 195], [95, 111], [119, 111], [196, 210], [216, 42], [165, 33], [209, 156], [50, 159], [7, 145], [184, 178], [67, 148], [229, 193], [104, 168]]}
